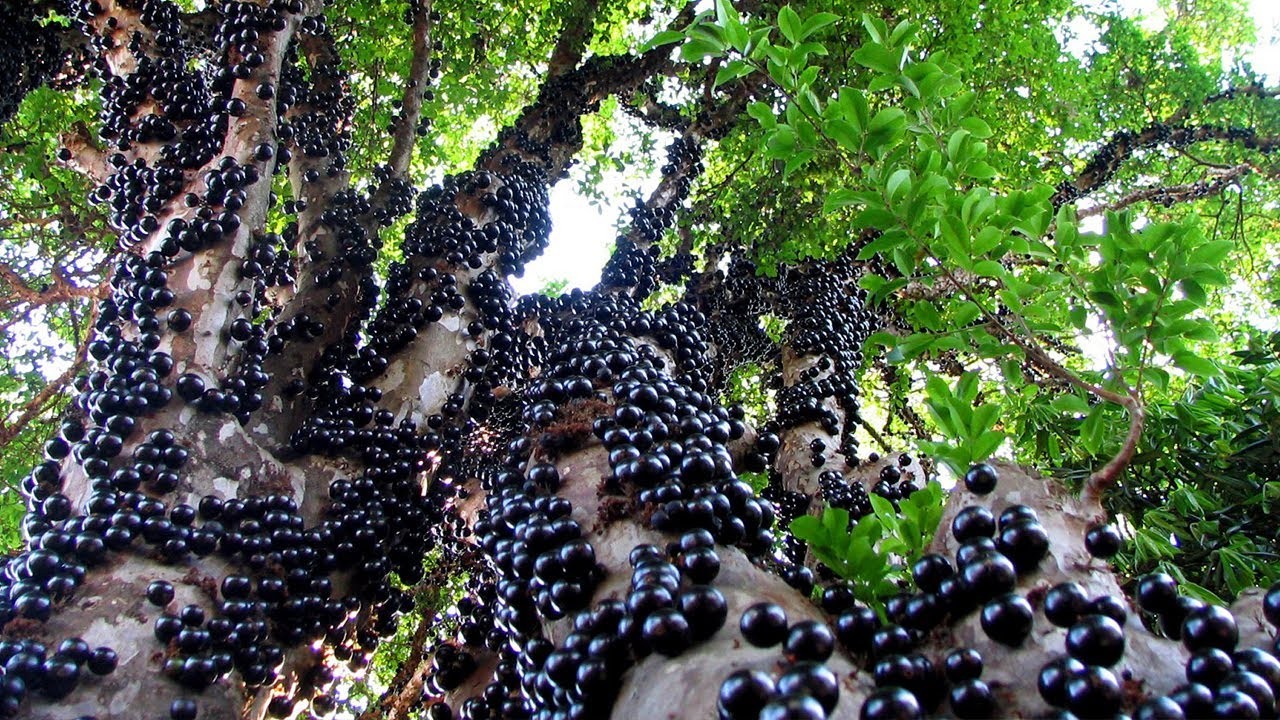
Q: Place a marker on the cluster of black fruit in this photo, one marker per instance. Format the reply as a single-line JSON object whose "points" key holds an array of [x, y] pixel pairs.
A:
{"points": [[284, 597], [739, 299], [1222, 680], [28, 663], [806, 687], [31, 52], [839, 492], [895, 482], [1105, 162], [636, 264], [828, 320], [666, 450]]}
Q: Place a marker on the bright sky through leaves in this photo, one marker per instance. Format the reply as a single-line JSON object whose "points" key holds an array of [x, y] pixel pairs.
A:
{"points": [[582, 235]]}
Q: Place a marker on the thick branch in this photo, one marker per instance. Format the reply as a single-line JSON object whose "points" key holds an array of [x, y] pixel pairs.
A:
{"points": [[575, 33], [84, 155], [1169, 195], [22, 293], [405, 132], [1106, 161]]}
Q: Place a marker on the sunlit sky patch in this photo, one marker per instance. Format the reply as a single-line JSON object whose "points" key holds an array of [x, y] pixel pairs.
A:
{"points": [[583, 234]]}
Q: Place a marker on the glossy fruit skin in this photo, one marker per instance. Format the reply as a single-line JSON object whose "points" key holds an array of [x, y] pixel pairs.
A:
{"points": [[1236, 706], [1008, 619], [1271, 605], [972, 700], [1025, 542], [667, 632], [159, 593], [1156, 592], [705, 609], [1096, 640], [1173, 616], [1210, 626], [1260, 663], [1159, 708], [1094, 693], [794, 707], [809, 640], [973, 522], [1103, 541], [764, 624], [856, 628], [183, 709], [1053, 678], [1195, 699], [891, 703], [930, 570], [981, 479], [1065, 603], [743, 693], [1112, 607], [813, 679], [1017, 513], [1255, 687], [963, 664], [1209, 666], [989, 576]]}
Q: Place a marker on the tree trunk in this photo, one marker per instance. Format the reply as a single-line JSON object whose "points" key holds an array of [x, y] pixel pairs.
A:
{"points": [[239, 508]]}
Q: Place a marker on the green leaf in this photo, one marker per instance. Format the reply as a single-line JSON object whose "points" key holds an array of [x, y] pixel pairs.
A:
{"points": [[844, 133], [1091, 430], [854, 105], [666, 37], [728, 18], [898, 184], [978, 127], [902, 33], [1196, 365], [731, 71], [698, 48], [809, 529], [878, 58], [789, 23], [781, 142], [840, 198], [1070, 403], [816, 22], [835, 521], [763, 114], [884, 511], [875, 27]]}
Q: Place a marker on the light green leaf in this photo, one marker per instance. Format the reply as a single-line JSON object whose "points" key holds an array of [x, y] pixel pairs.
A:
{"points": [[789, 23], [816, 22], [666, 37], [1196, 365]]}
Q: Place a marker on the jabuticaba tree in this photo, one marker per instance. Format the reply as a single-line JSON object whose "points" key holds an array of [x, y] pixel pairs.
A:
{"points": [[276, 433]]}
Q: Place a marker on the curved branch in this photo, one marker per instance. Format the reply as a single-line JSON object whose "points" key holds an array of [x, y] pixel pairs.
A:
{"points": [[1169, 195], [1106, 160], [406, 127]]}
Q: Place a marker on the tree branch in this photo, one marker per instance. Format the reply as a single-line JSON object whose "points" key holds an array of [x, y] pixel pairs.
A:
{"points": [[1106, 161], [83, 154], [37, 405], [1170, 195], [576, 32], [60, 290], [405, 133]]}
